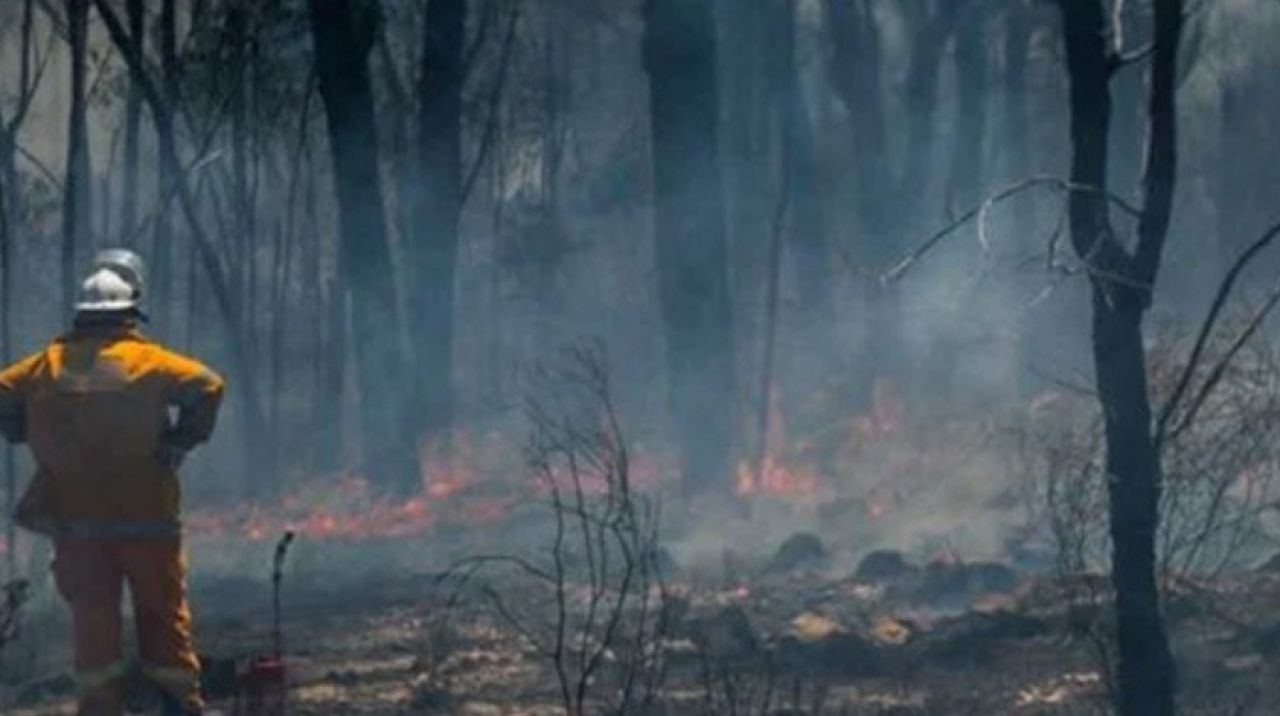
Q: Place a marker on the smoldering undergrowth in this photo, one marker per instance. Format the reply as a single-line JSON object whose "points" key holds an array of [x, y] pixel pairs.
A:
{"points": [[1221, 470], [592, 601]]}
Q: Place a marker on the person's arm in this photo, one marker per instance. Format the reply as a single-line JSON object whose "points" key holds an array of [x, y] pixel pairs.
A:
{"points": [[196, 392], [13, 413]]}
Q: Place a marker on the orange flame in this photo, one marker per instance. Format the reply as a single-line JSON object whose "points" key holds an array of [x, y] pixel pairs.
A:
{"points": [[349, 508], [782, 471]]}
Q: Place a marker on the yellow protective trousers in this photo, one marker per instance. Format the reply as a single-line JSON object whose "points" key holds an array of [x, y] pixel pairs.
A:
{"points": [[91, 575]]}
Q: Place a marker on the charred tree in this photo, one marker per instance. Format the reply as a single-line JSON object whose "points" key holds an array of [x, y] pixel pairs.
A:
{"points": [[236, 32], [6, 354], [1122, 281], [809, 232], [1246, 167], [11, 123], [888, 192], [967, 171], [1129, 27], [343, 32], [135, 11], [1015, 115], [936, 31], [162, 115], [330, 377], [680, 60], [1015, 162], [937, 28], [10, 214], [77, 186], [162, 251], [856, 76], [437, 207], [751, 78], [800, 239], [6, 350]]}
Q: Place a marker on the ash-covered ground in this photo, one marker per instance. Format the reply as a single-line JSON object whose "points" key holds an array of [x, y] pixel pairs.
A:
{"points": [[806, 628]]}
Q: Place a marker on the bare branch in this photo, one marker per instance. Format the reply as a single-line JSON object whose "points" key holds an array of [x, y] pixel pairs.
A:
{"points": [[394, 77], [523, 565], [1162, 145], [162, 115], [495, 97], [1120, 60], [482, 33], [979, 212], [1219, 368], [40, 165], [1206, 328]]}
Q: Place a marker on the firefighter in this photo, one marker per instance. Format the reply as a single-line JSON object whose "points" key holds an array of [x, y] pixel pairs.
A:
{"points": [[109, 415]]}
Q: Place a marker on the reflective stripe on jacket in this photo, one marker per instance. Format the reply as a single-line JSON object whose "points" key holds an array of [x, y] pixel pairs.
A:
{"points": [[95, 409]]}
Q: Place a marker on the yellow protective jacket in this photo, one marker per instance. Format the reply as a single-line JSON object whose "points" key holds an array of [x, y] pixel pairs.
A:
{"points": [[95, 409]]}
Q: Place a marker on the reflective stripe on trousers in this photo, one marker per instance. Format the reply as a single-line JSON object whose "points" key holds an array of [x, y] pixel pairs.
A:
{"points": [[91, 680], [91, 575]]}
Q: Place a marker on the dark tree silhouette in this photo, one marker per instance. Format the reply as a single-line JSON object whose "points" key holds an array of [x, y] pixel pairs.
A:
{"points": [[437, 206], [1122, 282], [344, 33], [680, 59], [809, 231], [889, 192], [162, 251], [77, 193], [135, 10], [162, 115]]}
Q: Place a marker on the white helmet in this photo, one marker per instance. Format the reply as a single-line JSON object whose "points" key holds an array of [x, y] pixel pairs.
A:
{"points": [[114, 284]]}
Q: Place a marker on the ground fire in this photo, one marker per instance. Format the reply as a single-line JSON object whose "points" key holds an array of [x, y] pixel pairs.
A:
{"points": [[639, 357]]}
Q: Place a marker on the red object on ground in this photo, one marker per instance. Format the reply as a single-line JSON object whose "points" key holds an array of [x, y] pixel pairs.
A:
{"points": [[263, 688]]}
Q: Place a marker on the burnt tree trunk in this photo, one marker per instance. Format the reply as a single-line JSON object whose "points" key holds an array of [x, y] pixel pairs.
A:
{"points": [[77, 186], [856, 76], [11, 125], [11, 213], [808, 243], [7, 190], [1016, 152], [136, 13], [343, 33], [1245, 167], [680, 59], [1122, 282], [967, 171], [236, 32], [965, 184], [1128, 85], [888, 193], [1015, 116], [437, 207], [751, 60], [330, 377], [162, 262], [929, 46], [801, 213], [162, 115]]}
